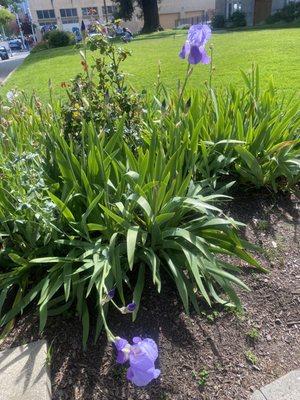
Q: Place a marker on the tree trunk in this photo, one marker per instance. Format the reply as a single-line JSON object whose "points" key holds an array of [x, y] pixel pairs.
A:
{"points": [[151, 16]]}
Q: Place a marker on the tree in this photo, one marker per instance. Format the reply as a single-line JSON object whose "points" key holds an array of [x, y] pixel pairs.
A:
{"points": [[5, 3], [11, 4], [149, 10], [5, 16]]}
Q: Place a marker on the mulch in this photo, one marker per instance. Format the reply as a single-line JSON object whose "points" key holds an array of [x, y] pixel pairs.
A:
{"points": [[214, 343]]}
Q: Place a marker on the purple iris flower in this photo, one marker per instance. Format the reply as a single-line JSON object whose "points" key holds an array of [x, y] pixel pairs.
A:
{"points": [[194, 47], [109, 296], [142, 355], [111, 293], [123, 349], [129, 308]]}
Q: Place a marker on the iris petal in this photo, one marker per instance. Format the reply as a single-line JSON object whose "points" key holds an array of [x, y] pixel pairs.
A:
{"points": [[195, 55], [185, 50], [205, 59]]}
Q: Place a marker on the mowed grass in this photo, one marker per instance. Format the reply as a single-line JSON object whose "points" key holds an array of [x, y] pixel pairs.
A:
{"points": [[276, 52]]}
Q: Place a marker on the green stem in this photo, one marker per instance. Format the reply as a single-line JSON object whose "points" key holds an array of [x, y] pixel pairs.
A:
{"points": [[110, 335], [211, 67], [187, 75]]}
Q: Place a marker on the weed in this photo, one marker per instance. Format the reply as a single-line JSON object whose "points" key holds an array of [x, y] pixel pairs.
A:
{"points": [[253, 334], [211, 317], [251, 357], [201, 377], [239, 313], [262, 225], [49, 355]]}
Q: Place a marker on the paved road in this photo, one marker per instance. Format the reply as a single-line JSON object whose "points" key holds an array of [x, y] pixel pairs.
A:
{"points": [[6, 66]]}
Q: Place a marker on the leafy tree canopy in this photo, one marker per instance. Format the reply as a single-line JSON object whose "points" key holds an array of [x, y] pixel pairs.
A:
{"points": [[5, 16]]}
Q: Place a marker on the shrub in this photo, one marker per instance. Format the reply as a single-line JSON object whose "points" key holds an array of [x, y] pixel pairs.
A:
{"points": [[288, 13], [46, 35], [238, 19], [40, 47], [218, 22], [100, 94], [274, 18], [60, 38]]}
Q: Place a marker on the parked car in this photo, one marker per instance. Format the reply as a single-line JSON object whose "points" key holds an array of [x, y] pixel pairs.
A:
{"points": [[15, 44], [3, 53]]}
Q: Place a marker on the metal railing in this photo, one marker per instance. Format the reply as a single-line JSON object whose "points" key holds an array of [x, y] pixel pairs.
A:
{"points": [[47, 21], [199, 19], [70, 20]]}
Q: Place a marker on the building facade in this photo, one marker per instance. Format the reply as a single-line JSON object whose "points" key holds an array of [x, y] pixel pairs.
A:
{"points": [[256, 10], [67, 14], [176, 12]]}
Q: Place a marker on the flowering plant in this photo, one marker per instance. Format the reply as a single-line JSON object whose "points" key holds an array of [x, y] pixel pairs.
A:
{"points": [[115, 211], [194, 47], [141, 355]]}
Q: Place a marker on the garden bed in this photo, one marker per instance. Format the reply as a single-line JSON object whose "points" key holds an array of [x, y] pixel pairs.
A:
{"points": [[201, 357]]}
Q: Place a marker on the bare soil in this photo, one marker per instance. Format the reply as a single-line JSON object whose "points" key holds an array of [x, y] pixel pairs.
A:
{"points": [[202, 357]]}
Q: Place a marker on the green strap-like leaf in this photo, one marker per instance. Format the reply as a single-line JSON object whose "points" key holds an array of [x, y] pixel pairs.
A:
{"points": [[137, 293], [62, 207], [85, 324], [132, 235]]}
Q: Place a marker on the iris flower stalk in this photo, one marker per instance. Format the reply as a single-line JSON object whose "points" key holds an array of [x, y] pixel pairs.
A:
{"points": [[194, 51]]}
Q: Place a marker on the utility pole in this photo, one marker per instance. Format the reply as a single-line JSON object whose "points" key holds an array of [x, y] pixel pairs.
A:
{"points": [[105, 11], [31, 24], [20, 29], [14, 10]]}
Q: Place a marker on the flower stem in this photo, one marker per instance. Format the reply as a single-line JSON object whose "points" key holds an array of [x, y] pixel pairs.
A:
{"points": [[211, 67], [187, 75], [110, 336]]}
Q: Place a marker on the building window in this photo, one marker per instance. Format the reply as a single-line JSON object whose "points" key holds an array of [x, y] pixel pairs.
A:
{"points": [[110, 10], [232, 6], [90, 12], [69, 15], [45, 14], [68, 12]]}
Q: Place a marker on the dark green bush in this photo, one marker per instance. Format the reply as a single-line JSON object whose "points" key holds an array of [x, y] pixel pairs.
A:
{"points": [[238, 19], [44, 45], [290, 12], [287, 14], [46, 35], [60, 38], [274, 18], [218, 22]]}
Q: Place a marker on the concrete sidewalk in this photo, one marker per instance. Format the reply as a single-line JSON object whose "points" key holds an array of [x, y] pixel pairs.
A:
{"points": [[24, 374], [284, 388]]}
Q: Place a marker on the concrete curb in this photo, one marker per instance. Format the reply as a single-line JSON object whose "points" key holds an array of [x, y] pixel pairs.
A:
{"points": [[8, 76]]}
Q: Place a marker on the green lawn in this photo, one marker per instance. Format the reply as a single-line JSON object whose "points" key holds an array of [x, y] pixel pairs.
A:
{"points": [[275, 51]]}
